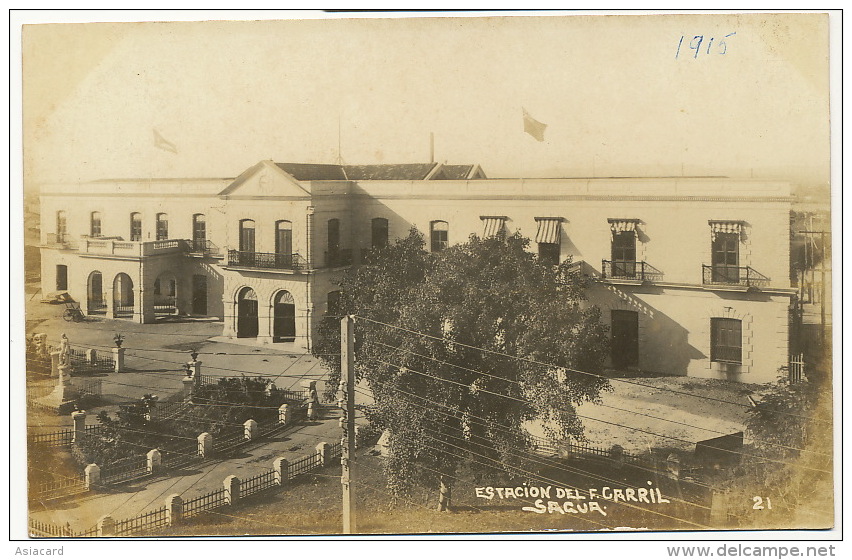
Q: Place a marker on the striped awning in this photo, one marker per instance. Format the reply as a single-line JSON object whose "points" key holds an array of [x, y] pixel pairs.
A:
{"points": [[548, 230], [725, 226], [493, 225], [618, 225]]}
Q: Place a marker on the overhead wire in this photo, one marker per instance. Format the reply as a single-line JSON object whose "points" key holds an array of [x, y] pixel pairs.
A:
{"points": [[573, 370]]}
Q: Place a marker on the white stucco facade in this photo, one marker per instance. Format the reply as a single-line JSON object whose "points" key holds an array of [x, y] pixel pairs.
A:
{"points": [[267, 258]]}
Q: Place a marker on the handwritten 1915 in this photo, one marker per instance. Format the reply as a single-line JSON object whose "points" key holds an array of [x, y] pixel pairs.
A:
{"points": [[696, 45]]}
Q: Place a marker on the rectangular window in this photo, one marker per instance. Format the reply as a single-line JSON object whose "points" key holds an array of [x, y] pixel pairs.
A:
{"points": [[379, 233], [726, 340], [548, 253], [726, 258], [439, 235], [549, 239], [95, 225], [624, 254]]}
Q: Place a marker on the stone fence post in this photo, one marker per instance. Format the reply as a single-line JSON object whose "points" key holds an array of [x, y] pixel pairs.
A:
{"points": [[282, 471], [106, 526], [118, 358], [188, 387], [174, 509], [284, 414], [93, 476], [616, 456], [91, 356], [232, 489], [195, 368], [322, 449], [54, 363], [205, 445], [155, 460], [250, 429], [79, 419]]}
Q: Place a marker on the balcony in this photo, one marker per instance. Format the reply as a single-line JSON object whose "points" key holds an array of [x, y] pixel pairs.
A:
{"points": [[116, 247], [638, 271], [267, 261], [203, 248], [341, 257], [728, 275], [59, 241]]}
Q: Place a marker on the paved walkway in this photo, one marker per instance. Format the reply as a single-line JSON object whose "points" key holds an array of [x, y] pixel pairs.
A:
{"points": [[133, 498]]}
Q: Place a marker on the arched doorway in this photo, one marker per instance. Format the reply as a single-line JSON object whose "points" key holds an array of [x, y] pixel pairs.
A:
{"points": [[247, 314], [284, 317], [95, 301], [122, 296]]}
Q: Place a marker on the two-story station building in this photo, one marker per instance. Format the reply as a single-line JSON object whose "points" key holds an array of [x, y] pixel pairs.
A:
{"points": [[692, 272]]}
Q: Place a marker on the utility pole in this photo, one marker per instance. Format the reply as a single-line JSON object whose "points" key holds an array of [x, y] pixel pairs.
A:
{"points": [[347, 386]]}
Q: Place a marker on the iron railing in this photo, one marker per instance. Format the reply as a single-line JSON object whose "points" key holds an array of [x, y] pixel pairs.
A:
{"points": [[207, 502], [630, 270], [723, 274], [149, 520], [257, 483], [203, 247], [303, 465], [273, 261]]}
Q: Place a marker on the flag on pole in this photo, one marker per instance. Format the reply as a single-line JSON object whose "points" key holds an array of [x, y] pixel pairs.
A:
{"points": [[163, 144], [533, 127]]}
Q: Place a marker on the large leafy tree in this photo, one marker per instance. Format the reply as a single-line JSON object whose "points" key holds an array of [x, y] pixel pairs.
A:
{"points": [[453, 347]]}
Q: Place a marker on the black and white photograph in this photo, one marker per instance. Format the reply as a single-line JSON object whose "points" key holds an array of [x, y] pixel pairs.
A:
{"points": [[430, 273]]}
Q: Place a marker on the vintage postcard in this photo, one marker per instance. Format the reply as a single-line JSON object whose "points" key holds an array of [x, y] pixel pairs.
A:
{"points": [[366, 274]]}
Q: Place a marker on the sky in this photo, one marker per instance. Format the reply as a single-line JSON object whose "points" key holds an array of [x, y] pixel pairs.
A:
{"points": [[620, 95]]}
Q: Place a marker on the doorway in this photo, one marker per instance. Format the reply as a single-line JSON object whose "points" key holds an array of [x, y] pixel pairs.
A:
{"points": [[284, 318], [625, 339], [247, 314], [199, 294]]}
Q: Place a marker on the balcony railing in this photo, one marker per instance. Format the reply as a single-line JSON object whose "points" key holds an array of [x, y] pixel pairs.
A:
{"points": [[341, 257], [118, 247], [728, 275], [60, 240], [630, 270], [203, 247], [274, 261]]}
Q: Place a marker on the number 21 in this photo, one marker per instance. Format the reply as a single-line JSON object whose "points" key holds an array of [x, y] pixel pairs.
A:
{"points": [[758, 503]]}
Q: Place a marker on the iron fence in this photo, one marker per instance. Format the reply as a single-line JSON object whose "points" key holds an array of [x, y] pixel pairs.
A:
{"points": [[59, 487], [149, 520], [207, 502], [257, 483], [303, 465], [124, 470], [52, 439], [42, 529], [630, 270]]}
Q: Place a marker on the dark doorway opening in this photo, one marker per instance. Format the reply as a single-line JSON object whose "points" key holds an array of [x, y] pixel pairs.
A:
{"points": [[247, 314], [625, 339], [199, 294], [284, 319]]}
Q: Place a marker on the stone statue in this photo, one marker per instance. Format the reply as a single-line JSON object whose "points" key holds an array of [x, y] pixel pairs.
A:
{"points": [[64, 358]]}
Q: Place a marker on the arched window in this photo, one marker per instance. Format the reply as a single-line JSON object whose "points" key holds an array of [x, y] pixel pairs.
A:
{"points": [[61, 226], [247, 324], [162, 226], [96, 302], [379, 233], [199, 232], [439, 235], [136, 226], [95, 224]]}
